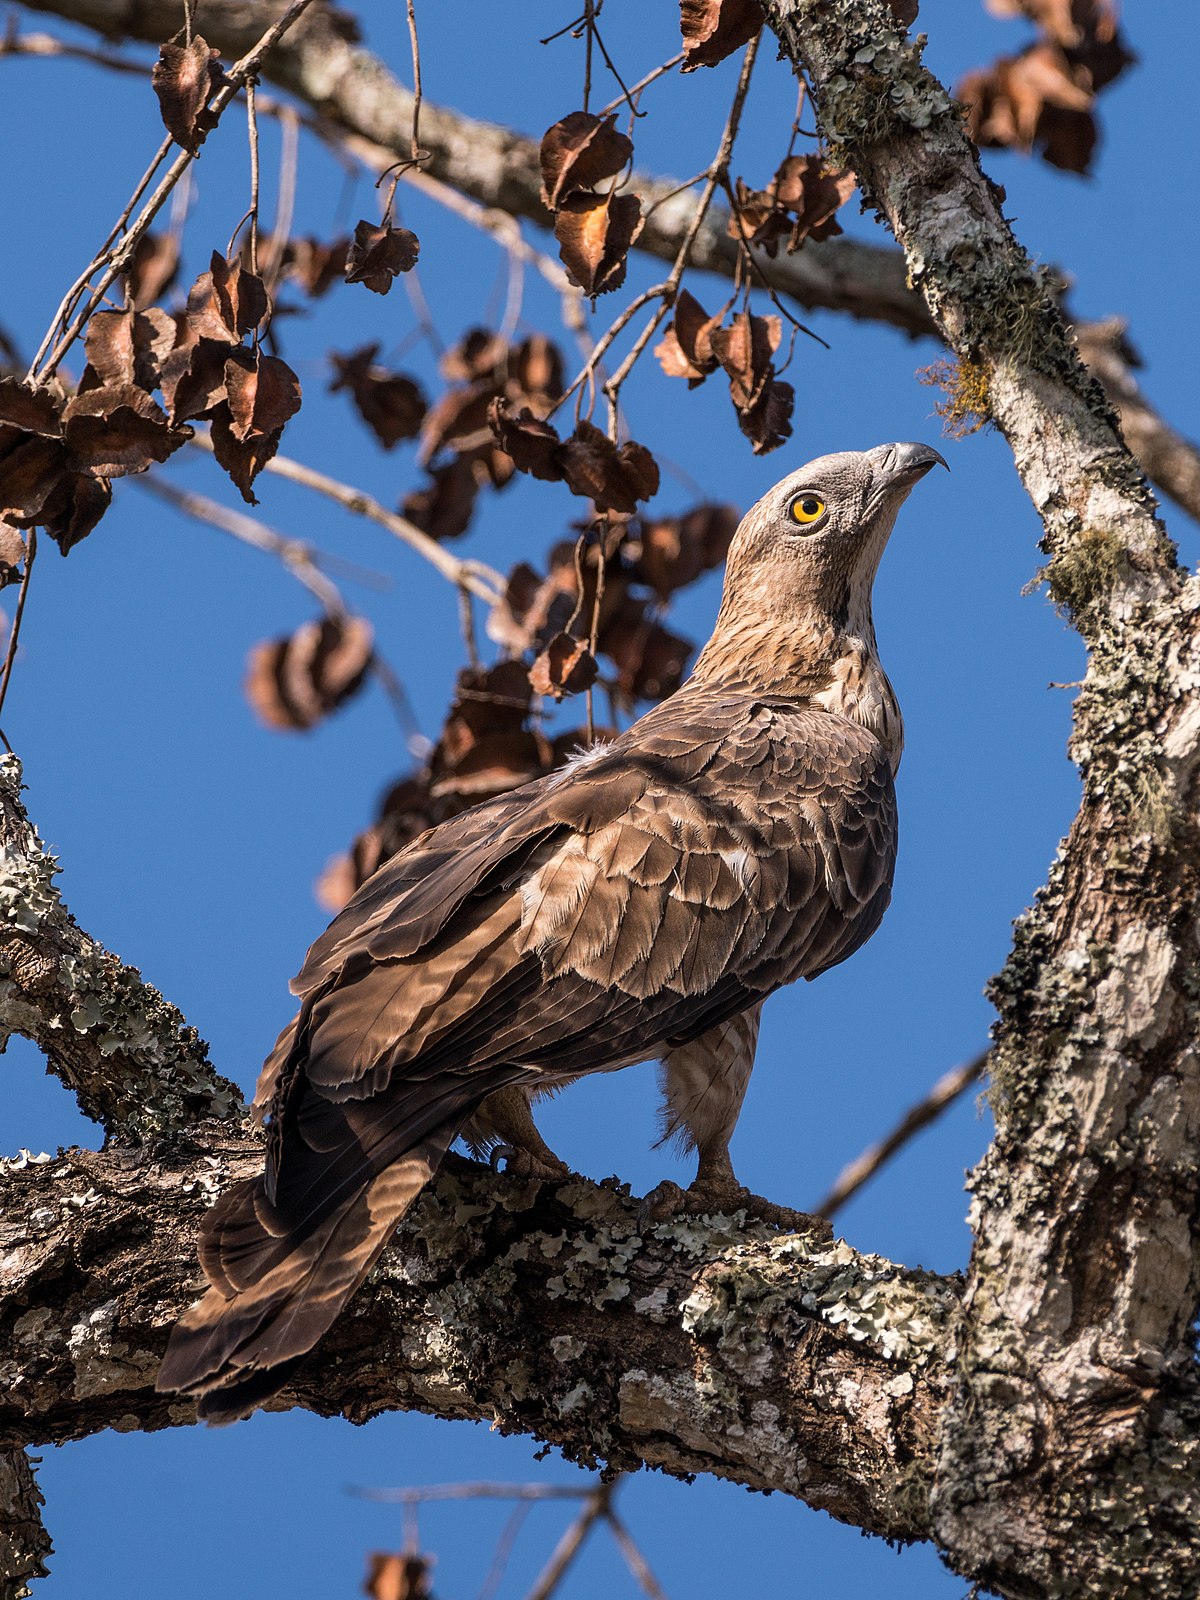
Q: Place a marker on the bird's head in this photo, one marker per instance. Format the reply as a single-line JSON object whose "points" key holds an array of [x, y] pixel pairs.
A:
{"points": [[803, 561]]}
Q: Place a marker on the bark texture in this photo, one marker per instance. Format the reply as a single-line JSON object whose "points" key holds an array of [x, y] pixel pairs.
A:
{"points": [[1068, 1461]]}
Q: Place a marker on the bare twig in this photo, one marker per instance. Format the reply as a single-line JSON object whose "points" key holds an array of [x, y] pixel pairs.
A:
{"points": [[631, 96], [571, 1543], [15, 630], [480, 579], [416, 62], [864, 1167], [285, 204], [299, 558], [634, 1559]]}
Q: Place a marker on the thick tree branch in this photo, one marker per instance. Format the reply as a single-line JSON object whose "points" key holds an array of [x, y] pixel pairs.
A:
{"points": [[703, 1346], [1073, 1426], [132, 1061]]}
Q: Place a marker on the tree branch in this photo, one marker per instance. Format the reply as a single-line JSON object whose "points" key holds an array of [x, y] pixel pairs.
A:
{"points": [[703, 1346], [131, 1060], [24, 1542]]}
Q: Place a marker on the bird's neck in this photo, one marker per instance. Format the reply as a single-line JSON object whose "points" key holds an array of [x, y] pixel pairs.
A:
{"points": [[820, 661]]}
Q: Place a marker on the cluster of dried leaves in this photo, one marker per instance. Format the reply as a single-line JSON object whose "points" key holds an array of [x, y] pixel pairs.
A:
{"points": [[493, 739], [400, 1575], [1044, 97], [594, 225], [801, 202], [696, 345]]}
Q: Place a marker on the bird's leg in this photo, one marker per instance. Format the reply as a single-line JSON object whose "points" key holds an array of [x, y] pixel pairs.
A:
{"points": [[520, 1146], [715, 1190]]}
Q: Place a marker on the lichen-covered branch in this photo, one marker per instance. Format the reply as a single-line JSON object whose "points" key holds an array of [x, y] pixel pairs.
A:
{"points": [[704, 1346], [1070, 1455], [130, 1058]]}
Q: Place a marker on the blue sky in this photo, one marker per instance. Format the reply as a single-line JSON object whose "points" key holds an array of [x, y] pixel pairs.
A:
{"points": [[190, 836]]}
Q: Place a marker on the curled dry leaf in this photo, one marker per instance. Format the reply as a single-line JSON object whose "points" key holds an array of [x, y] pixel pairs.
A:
{"points": [[185, 77], [533, 445], [391, 404], [566, 666], [580, 152], [714, 29], [37, 483], [193, 378], [801, 202], [226, 302], [594, 233], [128, 347], [379, 253], [314, 264], [763, 403], [614, 478], [650, 661], [117, 430], [242, 459], [685, 350], [263, 394], [295, 681], [672, 552], [443, 506]]}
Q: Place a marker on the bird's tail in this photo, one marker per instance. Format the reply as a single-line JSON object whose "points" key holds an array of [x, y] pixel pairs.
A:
{"points": [[277, 1288]]}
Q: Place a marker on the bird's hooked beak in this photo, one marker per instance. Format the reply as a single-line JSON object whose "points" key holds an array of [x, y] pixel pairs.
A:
{"points": [[896, 468]]}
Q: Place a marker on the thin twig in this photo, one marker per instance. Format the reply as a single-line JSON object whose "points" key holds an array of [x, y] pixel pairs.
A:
{"points": [[46, 45], [15, 631], [422, 1494], [416, 61], [634, 94], [569, 1546], [480, 579], [299, 558], [504, 1548], [252, 134], [864, 1167], [114, 261], [634, 1559], [285, 203]]}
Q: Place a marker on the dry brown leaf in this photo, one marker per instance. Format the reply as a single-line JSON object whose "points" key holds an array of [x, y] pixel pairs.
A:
{"points": [[745, 349], [184, 78], [443, 506], [495, 763], [390, 403], [152, 269], [193, 378], [566, 666], [242, 459], [613, 478], [714, 29], [263, 395], [117, 430], [594, 233], [129, 346], [533, 445], [801, 202], [685, 351], [31, 473], [650, 661], [314, 264], [295, 681], [673, 551], [28, 411], [580, 152], [226, 302], [379, 254]]}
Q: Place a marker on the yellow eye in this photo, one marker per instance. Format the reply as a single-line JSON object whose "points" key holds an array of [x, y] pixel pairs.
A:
{"points": [[807, 508]]}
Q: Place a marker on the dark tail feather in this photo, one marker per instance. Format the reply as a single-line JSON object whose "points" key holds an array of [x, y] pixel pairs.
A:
{"points": [[241, 1343]]}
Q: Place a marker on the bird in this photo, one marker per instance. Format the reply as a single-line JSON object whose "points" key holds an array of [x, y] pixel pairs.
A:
{"points": [[639, 903]]}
